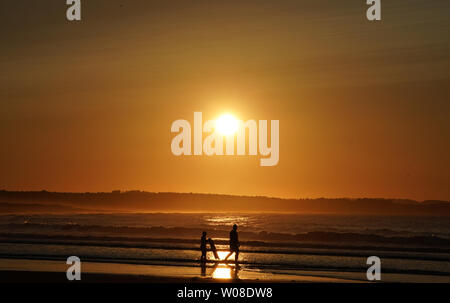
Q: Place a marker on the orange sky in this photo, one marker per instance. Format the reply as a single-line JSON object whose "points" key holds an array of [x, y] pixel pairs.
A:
{"points": [[363, 107]]}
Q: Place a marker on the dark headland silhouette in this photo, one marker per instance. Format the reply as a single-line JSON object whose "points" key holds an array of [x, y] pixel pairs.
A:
{"points": [[141, 201]]}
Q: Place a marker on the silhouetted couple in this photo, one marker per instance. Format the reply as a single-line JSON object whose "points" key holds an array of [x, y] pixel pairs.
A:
{"points": [[234, 245]]}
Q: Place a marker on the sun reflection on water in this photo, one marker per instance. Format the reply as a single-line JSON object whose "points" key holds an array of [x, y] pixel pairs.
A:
{"points": [[227, 220], [223, 270]]}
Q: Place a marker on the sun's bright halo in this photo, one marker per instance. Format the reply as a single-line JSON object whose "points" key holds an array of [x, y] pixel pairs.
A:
{"points": [[227, 124]]}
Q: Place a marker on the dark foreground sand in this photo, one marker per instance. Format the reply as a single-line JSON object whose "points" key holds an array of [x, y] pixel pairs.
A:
{"points": [[25, 270], [45, 271], [57, 277]]}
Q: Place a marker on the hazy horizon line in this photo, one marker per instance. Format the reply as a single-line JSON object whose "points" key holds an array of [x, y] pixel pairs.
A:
{"points": [[221, 194]]}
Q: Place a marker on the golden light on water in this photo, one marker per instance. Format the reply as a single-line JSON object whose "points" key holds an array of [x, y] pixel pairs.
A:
{"points": [[227, 124], [228, 220], [222, 272]]}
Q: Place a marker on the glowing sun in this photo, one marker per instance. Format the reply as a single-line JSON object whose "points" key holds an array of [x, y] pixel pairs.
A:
{"points": [[227, 124]]}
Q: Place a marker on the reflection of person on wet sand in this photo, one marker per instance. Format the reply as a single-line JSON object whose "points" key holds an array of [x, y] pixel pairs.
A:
{"points": [[203, 246], [232, 270], [203, 269], [235, 272], [234, 244]]}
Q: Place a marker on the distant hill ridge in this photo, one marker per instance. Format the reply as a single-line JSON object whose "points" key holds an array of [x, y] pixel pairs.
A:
{"points": [[141, 201]]}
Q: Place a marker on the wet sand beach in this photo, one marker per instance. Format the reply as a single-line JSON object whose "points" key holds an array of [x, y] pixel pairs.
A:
{"points": [[23, 270]]}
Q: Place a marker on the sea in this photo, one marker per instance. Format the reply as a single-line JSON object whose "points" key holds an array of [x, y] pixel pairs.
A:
{"points": [[275, 243]]}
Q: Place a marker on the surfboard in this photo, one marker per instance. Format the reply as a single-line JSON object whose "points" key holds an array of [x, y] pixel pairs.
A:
{"points": [[213, 249]]}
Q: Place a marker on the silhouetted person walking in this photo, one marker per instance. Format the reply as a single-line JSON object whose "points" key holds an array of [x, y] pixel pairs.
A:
{"points": [[203, 246], [234, 244]]}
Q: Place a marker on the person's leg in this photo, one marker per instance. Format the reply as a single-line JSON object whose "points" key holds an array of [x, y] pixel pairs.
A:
{"points": [[231, 252], [203, 255], [236, 256]]}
